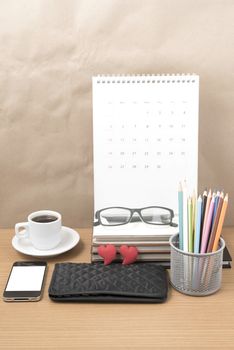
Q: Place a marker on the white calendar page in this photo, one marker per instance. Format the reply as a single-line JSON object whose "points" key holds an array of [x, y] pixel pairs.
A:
{"points": [[145, 139]]}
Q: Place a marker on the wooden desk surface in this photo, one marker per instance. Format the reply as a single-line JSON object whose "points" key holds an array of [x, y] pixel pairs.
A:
{"points": [[183, 322]]}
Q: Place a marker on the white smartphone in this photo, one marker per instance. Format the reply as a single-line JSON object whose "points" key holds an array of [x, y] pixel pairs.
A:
{"points": [[25, 281]]}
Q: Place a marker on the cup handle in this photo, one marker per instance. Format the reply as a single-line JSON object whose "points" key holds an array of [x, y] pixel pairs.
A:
{"points": [[19, 233]]}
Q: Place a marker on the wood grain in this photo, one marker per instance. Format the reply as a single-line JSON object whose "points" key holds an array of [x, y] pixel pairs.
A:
{"points": [[183, 322]]}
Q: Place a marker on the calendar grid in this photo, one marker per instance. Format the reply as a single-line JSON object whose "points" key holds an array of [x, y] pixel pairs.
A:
{"points": [[145, 131]]}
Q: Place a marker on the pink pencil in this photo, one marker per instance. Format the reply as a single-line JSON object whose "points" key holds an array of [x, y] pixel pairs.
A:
{"points": [[205, 236]]}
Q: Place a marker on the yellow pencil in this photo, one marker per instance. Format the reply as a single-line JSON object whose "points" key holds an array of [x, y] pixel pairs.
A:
{"points": [[220, 224]]}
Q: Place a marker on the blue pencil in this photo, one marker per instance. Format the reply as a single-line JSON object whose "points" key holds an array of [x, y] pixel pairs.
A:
{"points": [[198, 226], [215, 206], [204, 200], [180, 201]]}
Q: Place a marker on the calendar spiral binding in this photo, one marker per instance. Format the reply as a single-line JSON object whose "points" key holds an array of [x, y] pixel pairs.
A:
{"points": [[146, 78]]}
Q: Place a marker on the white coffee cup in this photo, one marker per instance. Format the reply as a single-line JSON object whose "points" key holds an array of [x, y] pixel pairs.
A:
{"points": [[43, 229]]}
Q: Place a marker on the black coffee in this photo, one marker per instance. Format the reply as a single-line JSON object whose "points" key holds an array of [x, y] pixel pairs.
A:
{"points": [[44, 218]]}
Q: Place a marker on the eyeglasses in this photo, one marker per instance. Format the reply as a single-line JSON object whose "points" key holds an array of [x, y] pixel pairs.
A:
{"points": [[116, 216]]}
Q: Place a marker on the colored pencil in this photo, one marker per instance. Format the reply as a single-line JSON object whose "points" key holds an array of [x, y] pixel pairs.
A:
{"points": [[190, 232], [205, 217], [220, 224], [180, 202], [215, 206], [204, 200], [200, 220], [206, 232], [215, 224], [194, 212], [185, 218], [198, 226]]}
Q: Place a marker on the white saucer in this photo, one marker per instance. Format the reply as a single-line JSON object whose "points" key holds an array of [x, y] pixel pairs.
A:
{"points": [[70, 238]]}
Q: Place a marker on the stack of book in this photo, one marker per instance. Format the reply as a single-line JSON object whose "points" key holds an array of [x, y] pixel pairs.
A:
{"points": [[151, 242]]}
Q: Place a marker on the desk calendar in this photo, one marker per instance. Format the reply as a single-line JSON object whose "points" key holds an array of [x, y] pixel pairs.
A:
{"points": [[145, 139]]}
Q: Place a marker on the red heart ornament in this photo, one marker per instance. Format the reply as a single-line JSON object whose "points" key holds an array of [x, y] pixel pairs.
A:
{"points": [[129, 254], [107, 252]]}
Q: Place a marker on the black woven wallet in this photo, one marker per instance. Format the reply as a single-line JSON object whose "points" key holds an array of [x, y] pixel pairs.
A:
{"points": [[139, 282]]}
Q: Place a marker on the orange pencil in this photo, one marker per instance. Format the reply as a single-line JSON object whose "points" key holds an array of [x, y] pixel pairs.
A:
{"points": [[220, 224], [215, 224]]}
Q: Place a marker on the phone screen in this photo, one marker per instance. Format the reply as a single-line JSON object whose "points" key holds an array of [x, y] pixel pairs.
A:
{"points": [[25, 281], [28, 278]]}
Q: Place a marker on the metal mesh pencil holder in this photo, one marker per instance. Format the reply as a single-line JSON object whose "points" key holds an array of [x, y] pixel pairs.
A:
{"points": [[196, 274]]}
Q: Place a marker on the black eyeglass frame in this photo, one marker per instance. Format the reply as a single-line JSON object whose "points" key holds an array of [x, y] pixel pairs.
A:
{"points": [[132, 211]]}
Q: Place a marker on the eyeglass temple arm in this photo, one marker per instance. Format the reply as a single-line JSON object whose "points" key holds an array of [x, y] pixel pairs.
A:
{"points": [[96, 223], [173, 224]]}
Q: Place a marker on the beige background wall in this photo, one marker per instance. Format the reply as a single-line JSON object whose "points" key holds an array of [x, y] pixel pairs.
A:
{"points": [[49, 51]]}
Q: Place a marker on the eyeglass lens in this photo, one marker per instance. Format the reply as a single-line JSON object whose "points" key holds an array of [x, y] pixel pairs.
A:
{"points": [[156, 216], [115, 216]]}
